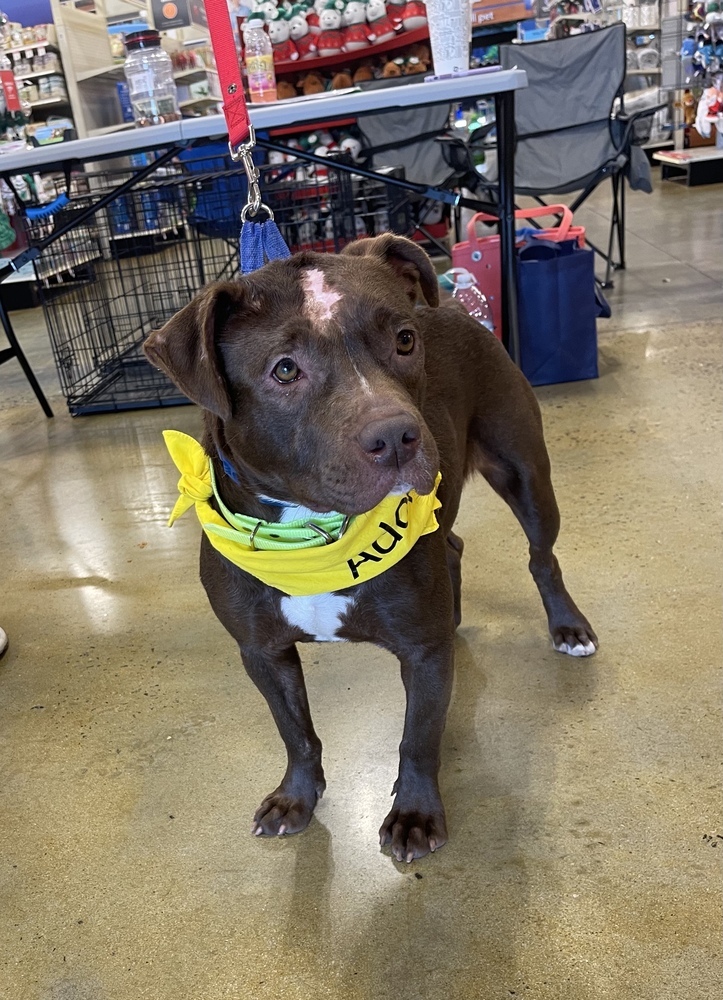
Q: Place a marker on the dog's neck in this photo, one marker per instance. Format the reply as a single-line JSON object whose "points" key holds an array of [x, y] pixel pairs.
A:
{"points": [[239, 493]]}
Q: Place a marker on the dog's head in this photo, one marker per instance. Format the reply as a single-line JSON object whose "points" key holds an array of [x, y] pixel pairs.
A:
{"points": [[311, 371]]}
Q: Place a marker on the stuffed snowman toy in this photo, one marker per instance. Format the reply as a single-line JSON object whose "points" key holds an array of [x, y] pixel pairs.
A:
{"points": [[284, 48], [356, 31], [300, 34], [381, 25], [330, 40]]}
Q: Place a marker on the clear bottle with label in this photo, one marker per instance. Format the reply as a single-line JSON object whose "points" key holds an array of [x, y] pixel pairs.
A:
{"points": [[259, 60], [149, 73], [468, 294]]}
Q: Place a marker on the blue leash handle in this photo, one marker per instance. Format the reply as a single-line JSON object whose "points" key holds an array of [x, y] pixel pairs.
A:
{"points": [[261, 241]]}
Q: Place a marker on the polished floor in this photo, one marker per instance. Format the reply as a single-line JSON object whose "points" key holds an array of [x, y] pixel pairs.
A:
{"points": [[583, 796]]}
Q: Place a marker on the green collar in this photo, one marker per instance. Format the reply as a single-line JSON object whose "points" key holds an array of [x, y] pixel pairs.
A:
{"points": [[274, 536]]}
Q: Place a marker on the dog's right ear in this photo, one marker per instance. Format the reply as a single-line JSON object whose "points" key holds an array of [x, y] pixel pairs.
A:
{"points": [[186, 348]]}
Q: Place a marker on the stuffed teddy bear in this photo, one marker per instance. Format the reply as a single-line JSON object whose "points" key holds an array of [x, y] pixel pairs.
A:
{"points": [[356, 31], [330, 40], [412, 65], [285, 90], [284, 48], [341, 80], [300, 33], [391, 69], [381, 25], [312, 83], [363, 72]]}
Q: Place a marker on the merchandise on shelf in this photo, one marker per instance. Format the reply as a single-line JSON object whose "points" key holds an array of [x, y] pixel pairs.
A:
{"points": [[149, 74], [258, 60]]}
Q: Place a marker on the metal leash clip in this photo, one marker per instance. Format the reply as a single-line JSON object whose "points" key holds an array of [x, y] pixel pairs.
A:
{"points": [[244, 154]]}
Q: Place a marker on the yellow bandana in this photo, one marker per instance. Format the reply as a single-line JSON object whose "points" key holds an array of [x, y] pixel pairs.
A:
{"points": [[372, 542]]}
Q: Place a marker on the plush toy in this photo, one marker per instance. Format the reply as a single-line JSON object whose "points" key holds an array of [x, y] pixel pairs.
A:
{"points": [[312, 83], [351, 146], [284, 48], [394, 11], [391, 69], [330, 40], [412, 65], [342, 80], [285, 90], [300, 33], [709, 106], [381, 25], [414, 15], [266, 7], [689, 107], [363, 73], [422, 51], [356, 31]]}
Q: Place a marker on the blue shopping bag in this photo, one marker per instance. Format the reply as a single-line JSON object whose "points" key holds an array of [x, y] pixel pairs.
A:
{"points": [[558, 305]]}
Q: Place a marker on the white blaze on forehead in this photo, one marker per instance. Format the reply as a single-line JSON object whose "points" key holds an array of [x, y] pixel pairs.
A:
{"points": [[319, 299]]}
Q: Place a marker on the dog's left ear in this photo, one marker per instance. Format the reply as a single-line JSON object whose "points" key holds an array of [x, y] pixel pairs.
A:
{"points": [[406, 259], [186, 348]]}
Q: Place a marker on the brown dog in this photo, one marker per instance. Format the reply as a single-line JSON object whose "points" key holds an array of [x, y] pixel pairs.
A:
{"points": [[329, 383]]}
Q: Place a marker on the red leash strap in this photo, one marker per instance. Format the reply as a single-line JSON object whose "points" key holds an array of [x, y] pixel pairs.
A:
{"points": [[229, 74]]}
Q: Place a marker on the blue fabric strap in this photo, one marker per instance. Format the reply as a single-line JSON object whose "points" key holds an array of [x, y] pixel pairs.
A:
{"points": [[260, 240], [228, 468]]}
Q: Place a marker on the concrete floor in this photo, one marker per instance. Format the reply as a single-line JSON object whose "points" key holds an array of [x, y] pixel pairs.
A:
{"points": [[583, 797]]}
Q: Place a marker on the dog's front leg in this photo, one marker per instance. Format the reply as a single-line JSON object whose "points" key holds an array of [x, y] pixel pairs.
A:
{"points": [[416, 824], [279, 677]]}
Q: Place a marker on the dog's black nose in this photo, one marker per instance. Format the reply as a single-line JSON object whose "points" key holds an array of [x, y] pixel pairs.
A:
{"points": [[392, 440]]}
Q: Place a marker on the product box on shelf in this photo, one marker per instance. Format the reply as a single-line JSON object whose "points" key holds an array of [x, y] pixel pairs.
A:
{"points": [[500, 11]]}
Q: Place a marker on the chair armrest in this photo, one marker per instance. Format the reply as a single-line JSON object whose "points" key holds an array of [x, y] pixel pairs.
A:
{"points": [[628, 121]]}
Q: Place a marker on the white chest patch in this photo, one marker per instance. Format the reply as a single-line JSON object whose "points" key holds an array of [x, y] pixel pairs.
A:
{"points": [[319, 298], [317, 614]]}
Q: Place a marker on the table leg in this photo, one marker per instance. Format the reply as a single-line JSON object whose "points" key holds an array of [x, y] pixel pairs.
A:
{"points": [[505, 115]]}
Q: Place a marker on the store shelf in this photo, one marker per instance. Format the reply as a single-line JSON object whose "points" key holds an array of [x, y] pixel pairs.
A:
{"points": [[38, 74], [46, 101], [400, 41], [32, 47], [191, 75], [191, 102], [115, 69], [66, 266], [644, 72], [642, 29]]}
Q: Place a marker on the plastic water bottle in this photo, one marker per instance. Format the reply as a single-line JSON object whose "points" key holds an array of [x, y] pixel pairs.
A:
{"points": [[468, 294], [259, 59]]}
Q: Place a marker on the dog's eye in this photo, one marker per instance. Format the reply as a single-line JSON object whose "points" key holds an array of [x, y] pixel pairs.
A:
{"points": [[286, 370], [405, 342]]}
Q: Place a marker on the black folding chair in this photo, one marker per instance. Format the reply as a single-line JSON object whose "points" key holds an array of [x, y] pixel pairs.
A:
{"points": [[571, 129]]}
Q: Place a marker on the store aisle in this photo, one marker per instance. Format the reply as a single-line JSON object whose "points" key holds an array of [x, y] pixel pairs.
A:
{"points": [[582, 796]]}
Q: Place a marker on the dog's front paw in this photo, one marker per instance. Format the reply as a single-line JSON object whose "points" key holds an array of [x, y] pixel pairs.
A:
{"points": [[412, 833], [281, 813], [575, 640]]}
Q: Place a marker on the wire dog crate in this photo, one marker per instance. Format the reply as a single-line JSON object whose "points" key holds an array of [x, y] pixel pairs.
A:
{"points": [[111, 280]]}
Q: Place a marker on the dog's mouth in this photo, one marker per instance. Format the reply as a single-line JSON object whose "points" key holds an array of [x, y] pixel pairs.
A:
{"points": [[393, 482]]}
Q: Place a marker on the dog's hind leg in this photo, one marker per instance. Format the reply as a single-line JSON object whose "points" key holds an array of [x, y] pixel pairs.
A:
{"points": [[508, 448]]}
